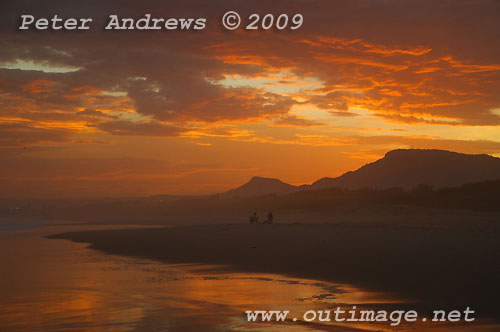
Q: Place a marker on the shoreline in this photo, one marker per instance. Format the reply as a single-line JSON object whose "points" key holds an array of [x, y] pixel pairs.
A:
{"points": [[432, 268]]}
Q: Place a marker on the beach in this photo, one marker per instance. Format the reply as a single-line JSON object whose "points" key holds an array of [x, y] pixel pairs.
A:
{"points": [[65, 286], [427, 268]]}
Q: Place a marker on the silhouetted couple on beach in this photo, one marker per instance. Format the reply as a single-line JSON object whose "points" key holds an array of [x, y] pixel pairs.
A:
{"points": [[254, 218]]}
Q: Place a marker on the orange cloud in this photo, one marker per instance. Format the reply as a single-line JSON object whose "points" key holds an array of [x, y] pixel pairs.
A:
{"points": [[40, 86]]}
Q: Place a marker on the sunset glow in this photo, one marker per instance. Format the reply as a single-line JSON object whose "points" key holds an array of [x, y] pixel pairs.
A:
{"points": [[201, 112]]}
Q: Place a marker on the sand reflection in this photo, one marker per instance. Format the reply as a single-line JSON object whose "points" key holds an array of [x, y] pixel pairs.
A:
{"points": [[55, 285]]}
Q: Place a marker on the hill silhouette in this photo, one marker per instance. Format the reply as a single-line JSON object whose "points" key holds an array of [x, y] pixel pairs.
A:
{"points": [[409, 168], [419, 179], [261, 186], [402, 168]]}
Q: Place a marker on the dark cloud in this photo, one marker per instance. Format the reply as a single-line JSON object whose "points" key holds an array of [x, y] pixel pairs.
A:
{"points": [[399, 57], [20, 135], [129, 128], [93, 113], [291, 120], [343, 113]]}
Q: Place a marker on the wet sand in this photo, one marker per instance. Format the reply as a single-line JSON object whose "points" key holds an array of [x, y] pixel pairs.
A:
{"points": [[48, 285], [430, 268]]}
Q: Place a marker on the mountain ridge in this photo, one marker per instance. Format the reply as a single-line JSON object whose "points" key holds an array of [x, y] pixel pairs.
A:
{"points": [[403, 168]]}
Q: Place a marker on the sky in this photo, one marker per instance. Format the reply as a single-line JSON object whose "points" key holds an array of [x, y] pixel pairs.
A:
{"points": [[101, 113]]}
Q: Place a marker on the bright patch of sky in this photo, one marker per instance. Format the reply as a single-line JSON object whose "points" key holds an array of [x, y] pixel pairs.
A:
{"points": [[115, 93], [38, 66], [132, 116], [365, 123], [283, 82]]}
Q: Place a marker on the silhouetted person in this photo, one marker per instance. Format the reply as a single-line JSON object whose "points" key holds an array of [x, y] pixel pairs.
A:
{"points": [[269, 219], [254, 218]]}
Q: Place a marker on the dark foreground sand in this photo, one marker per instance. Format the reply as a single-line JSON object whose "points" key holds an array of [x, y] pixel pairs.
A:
{"points": [[437, 268]]}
